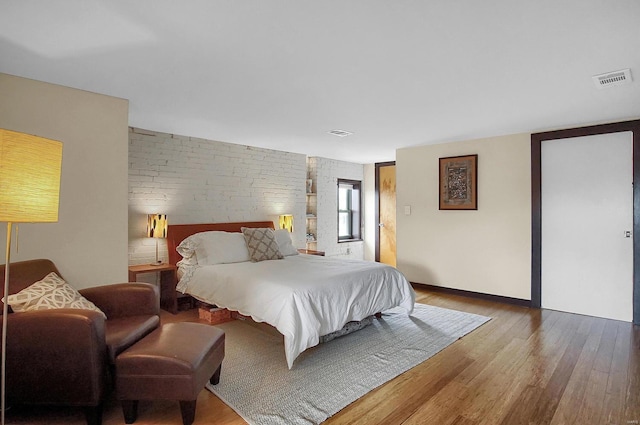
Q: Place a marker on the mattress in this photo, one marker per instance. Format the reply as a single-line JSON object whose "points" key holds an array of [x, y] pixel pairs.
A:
{"points": [[303, 296]]}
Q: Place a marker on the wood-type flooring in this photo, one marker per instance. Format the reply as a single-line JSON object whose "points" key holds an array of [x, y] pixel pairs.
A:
{"points": [[525, 366]]}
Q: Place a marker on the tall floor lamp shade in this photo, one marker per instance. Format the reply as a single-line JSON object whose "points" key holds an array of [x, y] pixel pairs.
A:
{"points": [[157, 225], [30, 169]]}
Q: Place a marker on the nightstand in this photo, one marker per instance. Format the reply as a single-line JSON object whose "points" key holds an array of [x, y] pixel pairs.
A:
{"points": [[311, 252], [168, 280]]}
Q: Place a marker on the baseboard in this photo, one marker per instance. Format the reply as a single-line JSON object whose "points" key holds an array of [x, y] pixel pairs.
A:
{"points": [[477, 295]]}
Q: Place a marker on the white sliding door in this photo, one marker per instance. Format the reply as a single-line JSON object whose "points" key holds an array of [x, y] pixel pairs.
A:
{"points": [[587, 208]]}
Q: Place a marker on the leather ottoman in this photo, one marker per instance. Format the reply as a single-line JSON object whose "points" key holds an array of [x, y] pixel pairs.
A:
{"points": [[173, 362]]}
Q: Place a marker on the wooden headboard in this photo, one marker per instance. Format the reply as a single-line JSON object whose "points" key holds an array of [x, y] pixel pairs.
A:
{"points": [[176, 233]]}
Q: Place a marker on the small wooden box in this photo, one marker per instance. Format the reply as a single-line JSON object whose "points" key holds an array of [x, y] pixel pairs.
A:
{"points": [[214, 315]]}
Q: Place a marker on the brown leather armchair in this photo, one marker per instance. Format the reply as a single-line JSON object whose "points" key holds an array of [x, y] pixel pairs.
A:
{"points": [[67, 356]]}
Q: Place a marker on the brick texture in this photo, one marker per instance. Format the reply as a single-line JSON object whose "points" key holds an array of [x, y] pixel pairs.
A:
{"points": [[194, 180], [325, 174]]}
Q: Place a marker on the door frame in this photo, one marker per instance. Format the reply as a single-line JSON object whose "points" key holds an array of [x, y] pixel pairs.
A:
{"points": [[377, 202], [536, 205]]}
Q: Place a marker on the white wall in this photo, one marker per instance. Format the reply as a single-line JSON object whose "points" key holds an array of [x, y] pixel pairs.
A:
{"points": [[488, 250], [88, 244], [327, 173], [194, 180], [369, 218]]}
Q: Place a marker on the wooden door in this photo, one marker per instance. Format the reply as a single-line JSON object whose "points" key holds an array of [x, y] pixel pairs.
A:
{"points": [[386, 213]]}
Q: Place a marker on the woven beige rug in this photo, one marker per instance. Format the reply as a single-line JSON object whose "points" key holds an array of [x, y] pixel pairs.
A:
{"points": [[256, 383]]}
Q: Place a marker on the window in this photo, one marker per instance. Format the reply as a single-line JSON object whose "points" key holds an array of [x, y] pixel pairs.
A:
{"points": [[349, 211]]}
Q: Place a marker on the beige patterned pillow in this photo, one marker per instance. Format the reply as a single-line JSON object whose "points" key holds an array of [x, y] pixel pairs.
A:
{"points": [[261, 243], [50, 293]]}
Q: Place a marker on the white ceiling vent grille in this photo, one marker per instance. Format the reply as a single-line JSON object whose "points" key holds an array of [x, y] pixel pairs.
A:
{"points": [[340, 133], [611, 79]]}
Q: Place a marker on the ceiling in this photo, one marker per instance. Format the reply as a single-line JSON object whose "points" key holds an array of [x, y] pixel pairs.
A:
{"points": [[282, 74]]}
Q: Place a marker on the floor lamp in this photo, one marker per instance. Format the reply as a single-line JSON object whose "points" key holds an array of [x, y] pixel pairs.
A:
{"points": [[30, 180]]}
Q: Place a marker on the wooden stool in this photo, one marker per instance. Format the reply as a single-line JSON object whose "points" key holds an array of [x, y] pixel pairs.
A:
{"points": [[173, 362]]}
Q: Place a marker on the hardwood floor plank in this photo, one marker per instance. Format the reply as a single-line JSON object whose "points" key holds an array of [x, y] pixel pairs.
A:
{"points": [[497, 375], [461, 420], [541, 356], [414, 388], [543, 349], [539, 403], [613, 404], [441, 407], [632, 399], [594, 397], [485, 346], [505, 372], [604, 356], [595, 382], [568, 410]]}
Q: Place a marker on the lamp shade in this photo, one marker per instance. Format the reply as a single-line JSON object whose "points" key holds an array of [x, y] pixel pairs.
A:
{"points": [[157, 226], [286, 222], [30, 169]]}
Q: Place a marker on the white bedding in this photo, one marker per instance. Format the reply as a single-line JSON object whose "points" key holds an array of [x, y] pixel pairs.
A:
{"points": [[302, 296]]}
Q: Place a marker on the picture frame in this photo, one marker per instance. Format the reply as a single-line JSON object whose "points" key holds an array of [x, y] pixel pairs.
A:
{"points": [[458, 183]]}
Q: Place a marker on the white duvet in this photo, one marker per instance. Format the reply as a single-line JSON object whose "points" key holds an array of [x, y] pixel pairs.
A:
{"points": [[302, 296]]}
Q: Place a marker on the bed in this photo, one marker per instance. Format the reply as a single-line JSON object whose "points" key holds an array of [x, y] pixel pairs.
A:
{"points": [[304, 297]]}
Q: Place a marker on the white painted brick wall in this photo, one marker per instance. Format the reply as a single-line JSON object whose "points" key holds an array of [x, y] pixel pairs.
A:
{"points": [[326, 173], [194, 180]]}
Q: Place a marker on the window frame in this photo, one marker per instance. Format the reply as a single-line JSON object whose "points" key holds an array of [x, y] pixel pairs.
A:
{"points": [[354, 214]]}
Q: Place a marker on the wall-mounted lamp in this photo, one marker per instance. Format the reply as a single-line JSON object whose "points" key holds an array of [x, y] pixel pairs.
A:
{"points": [[157, 228], [285, 221], [30, 168]]}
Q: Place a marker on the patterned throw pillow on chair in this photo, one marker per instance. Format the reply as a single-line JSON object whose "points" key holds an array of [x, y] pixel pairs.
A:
{"points": [[262, 244], [50, 293]]}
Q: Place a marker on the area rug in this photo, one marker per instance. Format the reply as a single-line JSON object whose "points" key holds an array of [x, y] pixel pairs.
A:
{"points": [[257, 384]]}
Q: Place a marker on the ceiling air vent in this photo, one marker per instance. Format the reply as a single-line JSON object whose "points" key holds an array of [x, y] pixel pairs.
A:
{"points": [[610, 79], [340, 133]]}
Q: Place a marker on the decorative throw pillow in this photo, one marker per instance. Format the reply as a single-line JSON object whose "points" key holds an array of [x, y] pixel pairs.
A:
{"points": [[283, 237], [261, 243], [50, 293]]}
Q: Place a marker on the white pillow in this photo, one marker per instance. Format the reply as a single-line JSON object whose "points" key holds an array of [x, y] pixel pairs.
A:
{"points": [[187, 249], [50, 293], [283, 237], [210, 248]]}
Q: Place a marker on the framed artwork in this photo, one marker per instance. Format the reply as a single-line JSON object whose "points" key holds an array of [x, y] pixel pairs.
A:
{"points": [[459, 183]]}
